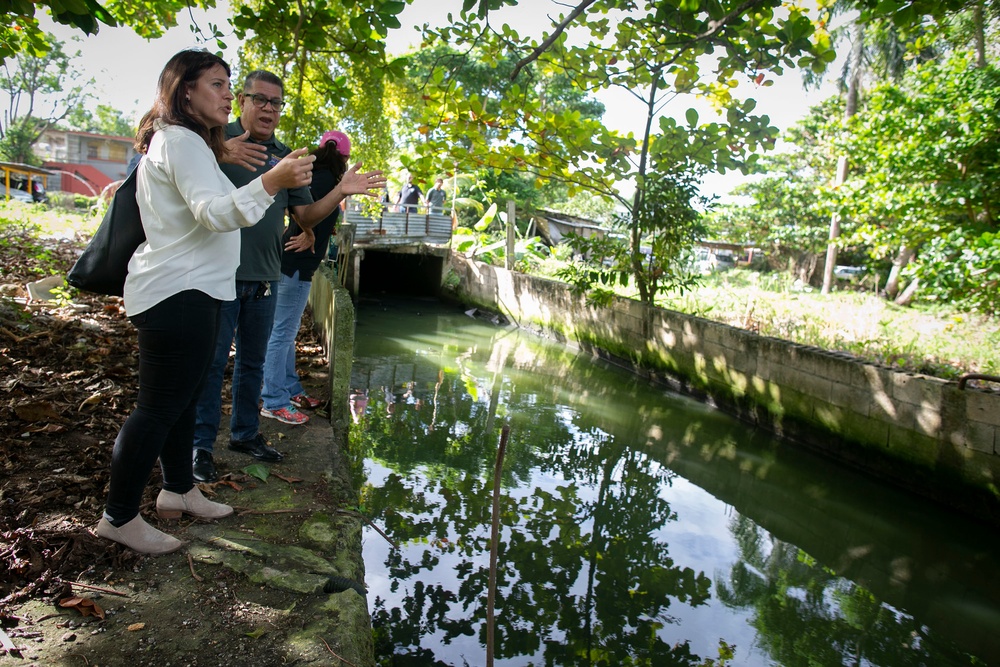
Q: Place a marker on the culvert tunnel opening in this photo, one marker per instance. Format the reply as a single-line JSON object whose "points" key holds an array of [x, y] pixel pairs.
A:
{"points": [[400, 274]]}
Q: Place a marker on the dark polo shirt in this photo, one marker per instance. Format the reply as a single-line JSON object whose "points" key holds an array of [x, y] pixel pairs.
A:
{"points": [[261, 245]]}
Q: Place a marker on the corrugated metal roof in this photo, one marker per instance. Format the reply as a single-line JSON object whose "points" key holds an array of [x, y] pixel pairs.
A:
{"points": [[27, 168]]}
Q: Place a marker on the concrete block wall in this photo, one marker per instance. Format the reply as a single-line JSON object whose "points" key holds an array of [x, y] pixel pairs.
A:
{"points": [[333, 316], [920, 432]]}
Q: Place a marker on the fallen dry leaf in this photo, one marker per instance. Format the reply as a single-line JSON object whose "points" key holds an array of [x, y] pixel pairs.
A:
{"points": [[136, 626], [93, 399], [230, 483], [290, 480], [85, 606], [48, 428], [37, 411]]}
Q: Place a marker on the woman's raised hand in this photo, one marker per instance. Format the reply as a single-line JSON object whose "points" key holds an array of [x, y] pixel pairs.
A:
{"points": [[293, 171], [369, 183]]}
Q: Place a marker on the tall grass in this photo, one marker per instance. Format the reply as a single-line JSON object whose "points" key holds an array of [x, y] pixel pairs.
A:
{"points": [[29, 235], [48, 221], [932, 340]]}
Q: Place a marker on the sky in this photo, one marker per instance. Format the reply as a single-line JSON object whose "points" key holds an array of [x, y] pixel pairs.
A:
{"points": [[124, 67]]}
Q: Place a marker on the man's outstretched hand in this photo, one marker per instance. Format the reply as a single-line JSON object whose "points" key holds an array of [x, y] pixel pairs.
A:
{"points": [[245, 153]]}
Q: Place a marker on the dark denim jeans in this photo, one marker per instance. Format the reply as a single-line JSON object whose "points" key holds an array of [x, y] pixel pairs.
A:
{"points": [[248, 318], [176, 344]]}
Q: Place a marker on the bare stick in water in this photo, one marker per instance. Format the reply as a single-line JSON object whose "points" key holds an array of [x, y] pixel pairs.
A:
{"points": [[494, 544]]}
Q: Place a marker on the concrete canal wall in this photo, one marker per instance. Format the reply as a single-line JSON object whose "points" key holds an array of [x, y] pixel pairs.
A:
{"points": [[920, 432], [333, 317]]}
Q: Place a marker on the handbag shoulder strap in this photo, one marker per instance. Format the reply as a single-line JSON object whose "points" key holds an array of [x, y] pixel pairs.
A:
{"points": [[128, 186]]}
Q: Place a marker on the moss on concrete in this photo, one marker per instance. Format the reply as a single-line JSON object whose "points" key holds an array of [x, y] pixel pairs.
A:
{"points": [[342, 628]]}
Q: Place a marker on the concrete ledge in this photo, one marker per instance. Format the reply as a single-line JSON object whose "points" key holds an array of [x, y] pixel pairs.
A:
{"points": [[333, 316]]}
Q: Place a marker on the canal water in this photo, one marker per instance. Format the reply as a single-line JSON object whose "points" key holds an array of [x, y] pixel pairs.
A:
{"points": [[638, 527]]}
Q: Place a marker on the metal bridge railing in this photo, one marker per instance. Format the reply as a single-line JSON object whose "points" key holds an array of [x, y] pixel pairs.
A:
{"points": [[976, 376], [407, 225]]}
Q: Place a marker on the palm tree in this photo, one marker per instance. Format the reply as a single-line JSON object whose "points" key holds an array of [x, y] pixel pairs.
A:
{"points": [[854, 69], [878, 52], [881, 52]]}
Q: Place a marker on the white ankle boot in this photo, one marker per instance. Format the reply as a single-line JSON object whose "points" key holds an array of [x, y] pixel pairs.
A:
{"points": [[170, 505], [139, 536]]}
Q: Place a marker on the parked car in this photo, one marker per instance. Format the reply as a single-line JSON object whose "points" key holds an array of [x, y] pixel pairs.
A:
{"points": [[706, 261], [848, 272], [20, 195], [724, 261], [36, 191]]}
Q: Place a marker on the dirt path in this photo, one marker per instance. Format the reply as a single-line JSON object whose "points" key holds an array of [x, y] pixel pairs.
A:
{"points": [[278, 583]]}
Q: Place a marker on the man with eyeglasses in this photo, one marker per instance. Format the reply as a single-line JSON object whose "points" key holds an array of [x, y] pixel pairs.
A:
{"points": [[253, 149]]}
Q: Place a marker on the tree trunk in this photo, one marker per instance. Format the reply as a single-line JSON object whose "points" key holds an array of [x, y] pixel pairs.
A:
{"points": [[903, 258], [851, 108], [980, 34], [831, 248], [906, 298], [802, 266], [635, 237], [810, 268]]}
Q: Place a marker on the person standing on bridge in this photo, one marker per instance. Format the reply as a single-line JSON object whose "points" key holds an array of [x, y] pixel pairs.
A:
{"points": [[409, 196], [248, 317], [304, 250], [435, 197]]}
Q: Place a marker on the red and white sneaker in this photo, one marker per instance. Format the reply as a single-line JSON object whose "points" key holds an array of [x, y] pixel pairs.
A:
{"points": [[287, 415], [306, 402]]}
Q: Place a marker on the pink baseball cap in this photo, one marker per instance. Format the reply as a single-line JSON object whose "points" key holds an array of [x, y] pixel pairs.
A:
{"points": [[342, 141]]}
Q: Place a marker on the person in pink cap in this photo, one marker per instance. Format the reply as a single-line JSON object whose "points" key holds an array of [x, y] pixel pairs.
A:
{"points": [[304, 249]]}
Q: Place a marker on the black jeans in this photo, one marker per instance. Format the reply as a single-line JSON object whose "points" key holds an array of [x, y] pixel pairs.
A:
{"points": [[176, 346]]}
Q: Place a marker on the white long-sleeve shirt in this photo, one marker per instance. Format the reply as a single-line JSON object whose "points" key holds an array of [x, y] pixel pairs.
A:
{"points": [[192, 215]]}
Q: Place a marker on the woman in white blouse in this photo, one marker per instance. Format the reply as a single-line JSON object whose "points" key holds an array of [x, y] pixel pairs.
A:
{"points": [[177, 279]]}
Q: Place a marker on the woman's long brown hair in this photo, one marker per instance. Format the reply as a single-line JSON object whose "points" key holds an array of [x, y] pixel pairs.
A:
{"points": [[178, 75]]}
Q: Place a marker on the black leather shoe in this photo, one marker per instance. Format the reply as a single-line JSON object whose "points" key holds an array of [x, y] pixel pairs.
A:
{"points": [[204, 467], [257, 448]]}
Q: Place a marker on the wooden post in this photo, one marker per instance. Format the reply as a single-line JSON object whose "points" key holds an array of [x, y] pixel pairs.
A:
{"points": [[510, 235]]}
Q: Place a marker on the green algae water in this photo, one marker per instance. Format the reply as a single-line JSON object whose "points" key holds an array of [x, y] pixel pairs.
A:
{"points": [[638, 527]]}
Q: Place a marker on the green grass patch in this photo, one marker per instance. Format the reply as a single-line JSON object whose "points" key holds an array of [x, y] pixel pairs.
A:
{"points": [[50, 221], [933, 340], [930, 339]]}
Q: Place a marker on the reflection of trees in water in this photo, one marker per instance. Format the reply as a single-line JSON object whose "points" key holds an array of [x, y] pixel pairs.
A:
{"points": [[805, 615], [582, 579], [570, 571]]}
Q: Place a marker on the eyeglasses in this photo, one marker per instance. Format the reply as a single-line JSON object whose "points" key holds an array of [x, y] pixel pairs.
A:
{"points": [[261, 101]]}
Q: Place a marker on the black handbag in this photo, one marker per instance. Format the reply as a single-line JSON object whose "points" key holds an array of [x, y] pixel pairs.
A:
{"points": [[104, 263]]}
